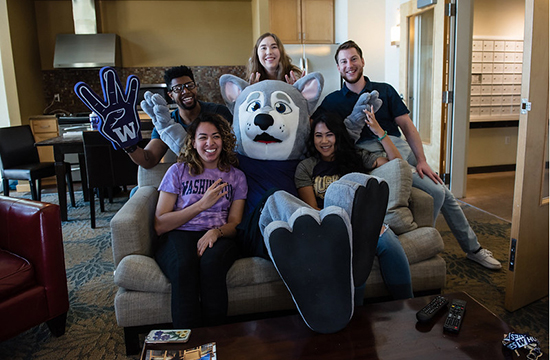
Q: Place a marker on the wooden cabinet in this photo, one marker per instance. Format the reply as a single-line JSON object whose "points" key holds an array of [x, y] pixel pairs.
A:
{"points": [[302, 21], [44, 127]]}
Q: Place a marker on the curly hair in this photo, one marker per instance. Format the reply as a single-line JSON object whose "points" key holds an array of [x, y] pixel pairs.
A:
{"points": [[228, 157], [176, 72], [285, 62], [346, 156]]}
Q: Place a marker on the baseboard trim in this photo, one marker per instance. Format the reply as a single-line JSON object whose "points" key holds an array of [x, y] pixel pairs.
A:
{"points": [[491, 169]]}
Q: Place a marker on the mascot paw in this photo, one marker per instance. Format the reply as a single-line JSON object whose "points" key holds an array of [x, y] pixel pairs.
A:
{"points": [[369, 208], [313, 257], [365, 199]]}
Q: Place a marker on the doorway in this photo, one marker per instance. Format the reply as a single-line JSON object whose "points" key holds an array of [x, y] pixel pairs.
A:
{"points": [[498, 31]]}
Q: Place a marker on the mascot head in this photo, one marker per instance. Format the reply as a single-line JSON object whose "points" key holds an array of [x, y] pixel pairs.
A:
{"points": [[271, 117]]}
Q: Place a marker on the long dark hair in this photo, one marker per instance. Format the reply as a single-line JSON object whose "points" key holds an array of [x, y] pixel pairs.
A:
{"points": [[346, 157], [228, 157]]}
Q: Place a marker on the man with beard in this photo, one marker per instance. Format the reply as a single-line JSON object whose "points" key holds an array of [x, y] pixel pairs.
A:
{"points": [[183, 91], [393, 116]]}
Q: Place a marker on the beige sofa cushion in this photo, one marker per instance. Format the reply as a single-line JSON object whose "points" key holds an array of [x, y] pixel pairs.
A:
{"points": [[398, 175], [141, 273]]}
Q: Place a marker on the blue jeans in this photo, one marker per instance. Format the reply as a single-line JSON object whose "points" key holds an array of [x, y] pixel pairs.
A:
{"points": [[394, 267], [199, 290], [444, 200]]}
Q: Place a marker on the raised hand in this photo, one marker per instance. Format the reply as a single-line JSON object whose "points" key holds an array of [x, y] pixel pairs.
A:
{"points": [[291, 78], [356, 120], [118, 118], [214, 193], [254, 78], [372, 123], [171, 133]]}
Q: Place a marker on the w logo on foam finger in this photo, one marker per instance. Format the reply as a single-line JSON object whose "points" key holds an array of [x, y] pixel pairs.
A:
{"points": [[119, 120], [124, 132]]}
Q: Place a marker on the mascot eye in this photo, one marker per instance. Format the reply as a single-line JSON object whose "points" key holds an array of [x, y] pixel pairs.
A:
{"points": [[254, 106], [282, 108]]}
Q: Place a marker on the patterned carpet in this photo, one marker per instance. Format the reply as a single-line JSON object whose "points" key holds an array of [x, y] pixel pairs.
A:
{"points": [[92, 332], [488, 286]]}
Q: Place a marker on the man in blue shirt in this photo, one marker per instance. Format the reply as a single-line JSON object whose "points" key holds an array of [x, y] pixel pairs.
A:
{"points": [[183, 91], [393, 117]]}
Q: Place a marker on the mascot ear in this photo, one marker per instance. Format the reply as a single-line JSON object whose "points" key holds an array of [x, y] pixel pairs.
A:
{"points": [[311, 87], [231, 87]]}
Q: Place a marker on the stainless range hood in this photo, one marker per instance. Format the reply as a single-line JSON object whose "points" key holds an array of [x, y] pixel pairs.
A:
{"points": [[86, 48], [86, 51]]}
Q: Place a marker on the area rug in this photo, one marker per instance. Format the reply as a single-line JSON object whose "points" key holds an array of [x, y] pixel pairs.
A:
{"points": [[92, 332], [488, 286]]}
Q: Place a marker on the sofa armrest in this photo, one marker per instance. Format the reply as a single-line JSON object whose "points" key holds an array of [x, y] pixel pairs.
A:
{"points": [[154, 175], [132, 227], [422, 207]]}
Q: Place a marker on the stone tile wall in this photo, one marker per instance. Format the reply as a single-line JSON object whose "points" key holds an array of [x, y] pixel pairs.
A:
{"points": [[62, 81]]}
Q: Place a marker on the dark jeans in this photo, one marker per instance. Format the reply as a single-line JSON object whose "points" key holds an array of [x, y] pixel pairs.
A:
{"points": [[199, 290]]}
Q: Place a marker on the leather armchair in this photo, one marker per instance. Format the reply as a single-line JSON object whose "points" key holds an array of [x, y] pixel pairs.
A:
{"points": [[33, 282]]}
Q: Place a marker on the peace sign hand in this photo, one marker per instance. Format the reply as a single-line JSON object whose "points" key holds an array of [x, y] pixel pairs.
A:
{"points": [[118, 118]]}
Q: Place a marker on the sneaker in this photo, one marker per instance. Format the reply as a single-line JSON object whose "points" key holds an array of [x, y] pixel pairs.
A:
{"points": [[485, 258]]}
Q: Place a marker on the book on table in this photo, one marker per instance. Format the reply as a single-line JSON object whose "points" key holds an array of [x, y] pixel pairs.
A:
{"points": [[170, 345]]}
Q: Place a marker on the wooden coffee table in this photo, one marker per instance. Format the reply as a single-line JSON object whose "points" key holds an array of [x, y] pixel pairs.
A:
{"points": [[386, 330]]}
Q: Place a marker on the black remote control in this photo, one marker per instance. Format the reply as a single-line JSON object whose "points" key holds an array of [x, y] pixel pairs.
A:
{"points": [[455, 315], [431, 309]]}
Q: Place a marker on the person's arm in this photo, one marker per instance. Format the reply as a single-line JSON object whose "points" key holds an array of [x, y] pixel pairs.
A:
{"points": [[166, 219], [149, 156], [303, 179], [389, 146], [227, 230], [413, 138], [307, 195]]}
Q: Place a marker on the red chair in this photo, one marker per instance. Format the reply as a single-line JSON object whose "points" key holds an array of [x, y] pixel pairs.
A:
{"points": [[33, 282]]}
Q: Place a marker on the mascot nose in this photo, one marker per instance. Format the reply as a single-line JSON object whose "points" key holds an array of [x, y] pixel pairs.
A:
{"points": [[263, 121]]}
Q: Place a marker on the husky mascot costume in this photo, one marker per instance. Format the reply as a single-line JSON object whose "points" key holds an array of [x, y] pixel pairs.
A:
{"points": [[321, 256]]}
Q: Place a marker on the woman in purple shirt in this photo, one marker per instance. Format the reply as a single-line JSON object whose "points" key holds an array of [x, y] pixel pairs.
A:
{"points": [[201, 201]]}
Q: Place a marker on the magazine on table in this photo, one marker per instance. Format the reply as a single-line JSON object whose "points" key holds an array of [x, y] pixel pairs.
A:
{"points": [[168, 336]]}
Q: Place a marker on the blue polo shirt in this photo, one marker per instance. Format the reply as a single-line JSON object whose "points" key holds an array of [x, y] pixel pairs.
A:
{"points": [[206, 107], [342, 102]]}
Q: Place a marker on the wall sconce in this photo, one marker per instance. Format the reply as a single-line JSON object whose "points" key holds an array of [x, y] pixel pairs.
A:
{"points": [[395, 35]]}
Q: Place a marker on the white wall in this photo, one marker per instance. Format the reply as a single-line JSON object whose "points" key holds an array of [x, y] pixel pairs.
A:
{"points": [[391, 52], [499, 18], [368, 23], [367, 27]]}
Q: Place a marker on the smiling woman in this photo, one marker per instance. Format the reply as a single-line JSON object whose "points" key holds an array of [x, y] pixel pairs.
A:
{"points": [[269, 61], [200, 204]]}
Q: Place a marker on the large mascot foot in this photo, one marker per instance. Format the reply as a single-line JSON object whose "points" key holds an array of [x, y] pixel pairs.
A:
{"points": [[312, 253], [365, 198]]}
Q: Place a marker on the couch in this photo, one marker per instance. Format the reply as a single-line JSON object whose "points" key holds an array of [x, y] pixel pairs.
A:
{"points": [[143, 298], [33, 282]]}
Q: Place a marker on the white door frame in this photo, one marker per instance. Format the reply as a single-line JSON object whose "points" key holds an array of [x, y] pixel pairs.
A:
{"points": [[459, 129]]}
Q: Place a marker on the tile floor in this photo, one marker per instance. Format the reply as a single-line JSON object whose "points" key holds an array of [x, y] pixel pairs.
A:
{"points": [[492, 192]]}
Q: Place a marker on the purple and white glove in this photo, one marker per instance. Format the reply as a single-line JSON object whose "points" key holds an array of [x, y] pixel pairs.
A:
{"points": [[170, 132], [118, 117], [355, 122]]}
